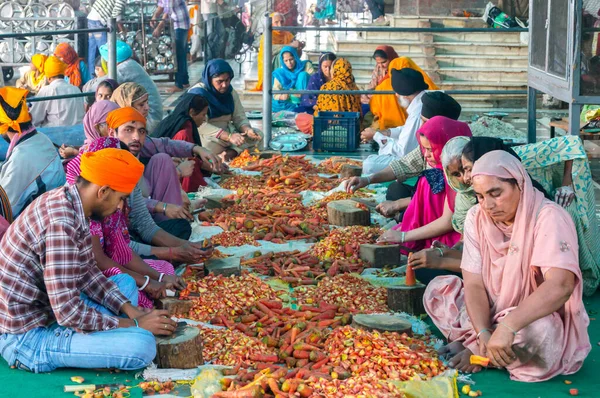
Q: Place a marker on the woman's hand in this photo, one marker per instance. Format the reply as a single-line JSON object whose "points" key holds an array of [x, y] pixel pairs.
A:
{"points": [[209, 158], [499, 347], [564, 196], [237, 139], [428, 258], [391, 236], [67, 152], [174, 282], [389, 208], [251, 134], [156, 290], [367, 135], [175, 212], [356, 183], [484, 338], [186, 168]]}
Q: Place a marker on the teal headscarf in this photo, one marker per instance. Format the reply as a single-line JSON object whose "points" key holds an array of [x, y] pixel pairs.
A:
{"points": [[124, 52], [285, 76]]}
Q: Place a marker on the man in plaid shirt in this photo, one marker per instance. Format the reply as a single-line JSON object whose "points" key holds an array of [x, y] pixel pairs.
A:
{"points": [[178, 12], [56, 308]]}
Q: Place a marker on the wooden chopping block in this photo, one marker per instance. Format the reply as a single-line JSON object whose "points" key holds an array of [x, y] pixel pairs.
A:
{"points": [[174, 305], [407, 299], [350, 170], [382, 323], [223, 266], [344, 213], [380, 255], [181, 350]]}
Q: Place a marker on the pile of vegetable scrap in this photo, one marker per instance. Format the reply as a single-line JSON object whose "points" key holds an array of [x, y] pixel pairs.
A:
{"points": [[226, 297], [233, 238], [382, 355], [348, 291], [283, 165], [244, 159], [365, 386], [344, 243], [270, 216], [232, 348], [334, 164], [242, 183]]}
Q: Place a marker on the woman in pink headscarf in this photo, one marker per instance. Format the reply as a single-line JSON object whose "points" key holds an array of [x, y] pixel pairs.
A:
{"points": [[428, 217], [521, 300]]}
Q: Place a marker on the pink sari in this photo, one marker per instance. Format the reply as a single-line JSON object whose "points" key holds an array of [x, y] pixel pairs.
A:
{"points": [[427, 205], [513, 261]]}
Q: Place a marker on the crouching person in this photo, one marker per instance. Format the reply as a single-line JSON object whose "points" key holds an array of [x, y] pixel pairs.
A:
{"points": [[57, 309]]}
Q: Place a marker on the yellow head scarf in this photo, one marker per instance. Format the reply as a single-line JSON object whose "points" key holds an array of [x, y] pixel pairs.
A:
{"points": [[54, 67], [386, 109], [341, 79], [14, 98], [38, 61]]}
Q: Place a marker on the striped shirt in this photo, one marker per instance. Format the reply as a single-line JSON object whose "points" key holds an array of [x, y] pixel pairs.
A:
{"points": [[178, 11], [46, 262], [107, 9]]}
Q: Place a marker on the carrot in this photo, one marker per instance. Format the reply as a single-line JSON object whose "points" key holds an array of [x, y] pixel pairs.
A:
{"points": [[263, 358], [274, 387], [272, 304], [326, 322], [302, 363], [253, 392], [301, 354], [294, 334], [410, 276], [477, 360], [329, 314], [317, 357], [292, 374], [305, 347], [320, 363]]}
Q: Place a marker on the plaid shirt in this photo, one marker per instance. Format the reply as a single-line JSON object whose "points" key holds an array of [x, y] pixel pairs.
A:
{"points": [[46, 262], [410, 165], [178, 11]]}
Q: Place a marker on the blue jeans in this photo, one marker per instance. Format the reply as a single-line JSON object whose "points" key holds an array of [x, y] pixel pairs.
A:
{"points": [[181, 78], [44, 349], [377, 8], [95, 40]]}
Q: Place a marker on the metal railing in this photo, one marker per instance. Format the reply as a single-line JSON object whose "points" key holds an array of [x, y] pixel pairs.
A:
{"points": [[60, 97], [268, 91]]}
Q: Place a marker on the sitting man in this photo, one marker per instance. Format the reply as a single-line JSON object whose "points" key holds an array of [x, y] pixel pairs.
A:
{"points": [[55, 113], [56, 308], [227, 132], [410, 87], [32, 165]]}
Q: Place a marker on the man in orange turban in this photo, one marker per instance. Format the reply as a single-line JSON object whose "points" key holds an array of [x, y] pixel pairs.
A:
{"points": [[57, 113], [32, 164]]}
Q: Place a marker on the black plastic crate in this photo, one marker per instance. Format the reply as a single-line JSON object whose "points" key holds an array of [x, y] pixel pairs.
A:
{"points": [[337, 131]]}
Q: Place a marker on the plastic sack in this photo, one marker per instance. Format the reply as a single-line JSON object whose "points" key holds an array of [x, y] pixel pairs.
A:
{"points": [[207, 383], [442, 386]]}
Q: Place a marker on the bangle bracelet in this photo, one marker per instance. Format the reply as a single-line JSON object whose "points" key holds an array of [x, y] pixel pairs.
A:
{"points": [[164, 208], [137, 325], [145, 283], [403, 237], [482, 331], [368, 180], [508, 327], [161, 276], [442, 255]]}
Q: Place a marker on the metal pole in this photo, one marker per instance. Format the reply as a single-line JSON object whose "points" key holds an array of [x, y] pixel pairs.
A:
{"points": [[112, 49], [267, 71], [531, 115], [574, 121]]}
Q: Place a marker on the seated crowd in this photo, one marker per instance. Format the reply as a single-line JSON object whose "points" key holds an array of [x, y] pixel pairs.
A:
{"points": [[86, 243]]}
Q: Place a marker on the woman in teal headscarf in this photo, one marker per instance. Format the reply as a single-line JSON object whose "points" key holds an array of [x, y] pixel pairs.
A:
{"points": [[293, 74]]}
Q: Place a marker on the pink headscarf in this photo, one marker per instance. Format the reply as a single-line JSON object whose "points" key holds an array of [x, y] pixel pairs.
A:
{"points": [[515, 257], [96, 115], [439, 130]]}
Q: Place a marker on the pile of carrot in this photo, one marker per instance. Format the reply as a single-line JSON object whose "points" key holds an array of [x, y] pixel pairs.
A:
{"points": [[334, 164], [244, 159], [233, 238], [344, 243]]}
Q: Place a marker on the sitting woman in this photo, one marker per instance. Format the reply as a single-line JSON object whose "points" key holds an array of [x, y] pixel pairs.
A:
{"points": [[110, 240], [383, 55], [386, 109], [293, 74], [133, 95], [77, 73], [317, 80], [227, 132], [182, 124], [428, 215], [521, 301], [341, 79], [280, 39], [35, 78]]}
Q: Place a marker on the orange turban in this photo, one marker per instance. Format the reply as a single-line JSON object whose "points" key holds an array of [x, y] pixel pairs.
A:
{"points": [[38, 61], [13, 98], [120, 116], [54, 67], [117, 168]]}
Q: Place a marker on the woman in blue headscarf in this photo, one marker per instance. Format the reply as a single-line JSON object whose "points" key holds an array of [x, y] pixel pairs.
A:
{"points": [[227, 130], [293, 74], [322, 76]]}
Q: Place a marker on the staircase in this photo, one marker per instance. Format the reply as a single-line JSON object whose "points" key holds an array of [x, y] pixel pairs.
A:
{"points": [[455, 61]]}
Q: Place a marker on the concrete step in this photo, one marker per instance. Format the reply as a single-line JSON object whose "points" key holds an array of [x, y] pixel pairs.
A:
{"points": [[479, 48], [437, 21], [366, 57], [470, 61], [483, 74], [361, 45], [494, 36]]}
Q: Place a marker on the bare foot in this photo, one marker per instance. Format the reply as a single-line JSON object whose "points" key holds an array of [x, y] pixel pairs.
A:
{"points": [[451, 349], [461, 362]]}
